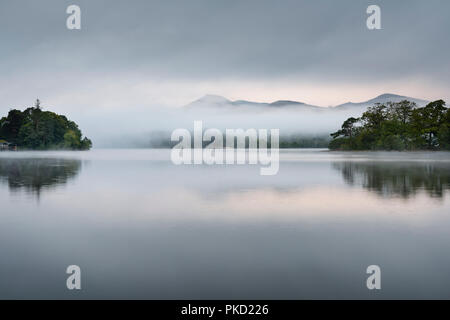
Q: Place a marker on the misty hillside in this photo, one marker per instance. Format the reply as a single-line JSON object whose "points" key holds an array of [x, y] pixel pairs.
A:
{"points": [[300, 124], [209, 101], [215, 101], [384, 98]]}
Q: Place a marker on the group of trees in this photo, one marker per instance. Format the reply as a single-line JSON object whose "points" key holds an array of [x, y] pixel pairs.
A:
{"points": [[34, 128], [301, 141], [396, 126]]}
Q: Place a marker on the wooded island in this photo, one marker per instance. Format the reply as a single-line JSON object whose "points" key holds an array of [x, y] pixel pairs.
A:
{"points": [[396, 126], [35, 129]]}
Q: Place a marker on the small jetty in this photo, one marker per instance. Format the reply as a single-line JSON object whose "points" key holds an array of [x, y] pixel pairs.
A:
{"points": [[6, 146]]}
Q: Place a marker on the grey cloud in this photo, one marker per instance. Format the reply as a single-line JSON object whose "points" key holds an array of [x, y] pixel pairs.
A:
{"points": [[248, 38], [127, 48]]}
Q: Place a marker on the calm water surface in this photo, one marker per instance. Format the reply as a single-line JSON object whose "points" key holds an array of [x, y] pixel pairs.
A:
{"points": [[141, 227]]}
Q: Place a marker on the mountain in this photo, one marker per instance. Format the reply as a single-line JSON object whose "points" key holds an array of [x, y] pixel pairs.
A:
{"points": [[211, 101], [384, 98]]}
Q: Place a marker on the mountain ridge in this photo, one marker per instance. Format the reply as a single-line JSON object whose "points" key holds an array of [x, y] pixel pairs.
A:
{"points": [[383, 98], [211, 100]]}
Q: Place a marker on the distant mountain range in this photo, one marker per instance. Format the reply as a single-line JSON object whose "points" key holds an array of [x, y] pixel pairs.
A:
{"points": [[384, 98], [214, 101], [209, 101]]}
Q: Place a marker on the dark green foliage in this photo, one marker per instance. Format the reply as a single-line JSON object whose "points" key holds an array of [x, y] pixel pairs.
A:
{"points": [[37, 129], [396, 126], [303, 141]]}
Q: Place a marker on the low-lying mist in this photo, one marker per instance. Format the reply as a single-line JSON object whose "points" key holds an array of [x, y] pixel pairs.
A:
{"points": [[152, 127]]}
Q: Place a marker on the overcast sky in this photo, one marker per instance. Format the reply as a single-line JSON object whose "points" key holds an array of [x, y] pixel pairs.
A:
{"points": [[141, 54]]}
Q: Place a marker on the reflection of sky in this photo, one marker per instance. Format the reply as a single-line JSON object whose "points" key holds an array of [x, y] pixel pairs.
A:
{"points": [[149, 229], [309, 183]]}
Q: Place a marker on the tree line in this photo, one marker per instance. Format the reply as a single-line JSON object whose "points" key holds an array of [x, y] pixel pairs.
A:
{"points": [[36, 129], [396, 126]]}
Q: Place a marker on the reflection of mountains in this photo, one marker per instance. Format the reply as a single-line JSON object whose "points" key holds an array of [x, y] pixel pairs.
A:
{"points": [[402, 179], [34, 175]]}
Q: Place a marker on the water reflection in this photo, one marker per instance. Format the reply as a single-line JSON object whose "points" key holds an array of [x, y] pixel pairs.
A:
{"points": [[398, 179], [35, 175], [224, 232]]}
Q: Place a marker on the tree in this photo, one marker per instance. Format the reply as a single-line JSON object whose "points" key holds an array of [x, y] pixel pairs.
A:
{"points": [[396, 126], [444, 132], [37, 129], [72, 140], [10, 125], [402, 110], [37, 104], [375, 116], [348, 128], [427, 121], [347, 132]]}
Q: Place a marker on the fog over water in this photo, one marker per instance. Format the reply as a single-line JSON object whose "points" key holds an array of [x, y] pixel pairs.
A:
{"points": [[159, 124], [141, 227]]}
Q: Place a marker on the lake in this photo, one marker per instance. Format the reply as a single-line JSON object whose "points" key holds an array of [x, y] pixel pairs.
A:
{"points": [[141, 227]]}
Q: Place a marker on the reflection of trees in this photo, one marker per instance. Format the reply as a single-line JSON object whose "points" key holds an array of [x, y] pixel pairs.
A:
{"points": [[34, 175], [402, 179]]}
